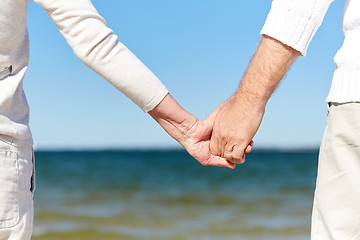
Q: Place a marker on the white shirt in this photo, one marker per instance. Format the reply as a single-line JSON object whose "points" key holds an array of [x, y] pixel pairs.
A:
{"points": [[92, 41], [294, 23]]}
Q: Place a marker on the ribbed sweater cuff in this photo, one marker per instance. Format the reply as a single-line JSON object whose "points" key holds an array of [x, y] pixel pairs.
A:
{"points": [[294, 23]]}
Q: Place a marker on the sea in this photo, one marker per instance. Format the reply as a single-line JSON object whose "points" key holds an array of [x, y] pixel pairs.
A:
{"points": [[167, 195]]}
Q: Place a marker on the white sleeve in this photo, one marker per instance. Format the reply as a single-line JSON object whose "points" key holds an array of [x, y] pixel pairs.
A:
{"points": [[98, 47], [295, 22]]}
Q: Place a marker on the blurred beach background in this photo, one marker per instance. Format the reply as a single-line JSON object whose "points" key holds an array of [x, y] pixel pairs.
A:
{"points": [[159, 195], [146, 186]]}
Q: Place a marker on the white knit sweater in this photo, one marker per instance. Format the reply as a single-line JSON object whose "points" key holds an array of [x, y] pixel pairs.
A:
{"points": [[294, 23], [92, 41]]}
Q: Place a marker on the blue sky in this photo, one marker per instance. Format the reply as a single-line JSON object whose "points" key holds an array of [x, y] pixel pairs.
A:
{"points": [[199, 50]]}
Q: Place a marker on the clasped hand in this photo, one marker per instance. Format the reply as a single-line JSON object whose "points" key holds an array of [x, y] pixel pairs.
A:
{"points": [[220, 140], [235, 125], [226, 135]]}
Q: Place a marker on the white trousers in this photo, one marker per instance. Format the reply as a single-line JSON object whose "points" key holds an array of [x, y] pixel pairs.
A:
{"points": [[336, 211], [16, 191]]}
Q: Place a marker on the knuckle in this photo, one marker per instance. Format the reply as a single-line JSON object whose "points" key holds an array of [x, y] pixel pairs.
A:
{"points": [[238, 160], [232, 160], [223, 137]]}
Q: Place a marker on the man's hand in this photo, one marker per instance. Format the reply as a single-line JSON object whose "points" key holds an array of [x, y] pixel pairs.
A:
{"points": [[239, 118], [234, 128], [197, 143]]}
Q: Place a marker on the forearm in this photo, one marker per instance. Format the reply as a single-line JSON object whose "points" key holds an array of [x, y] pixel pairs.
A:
{"points": [[270, 62], [175, 120]]}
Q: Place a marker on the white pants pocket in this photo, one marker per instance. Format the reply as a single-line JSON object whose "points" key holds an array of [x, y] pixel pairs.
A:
{"points": [[9, 178]]}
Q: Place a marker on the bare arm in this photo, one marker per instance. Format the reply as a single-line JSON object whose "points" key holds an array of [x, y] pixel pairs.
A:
{"points": [[240, 117]]}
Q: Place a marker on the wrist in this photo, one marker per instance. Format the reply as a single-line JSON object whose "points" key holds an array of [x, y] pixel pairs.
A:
{"points": [[270, 62], [175, 120], [250, 101]]}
